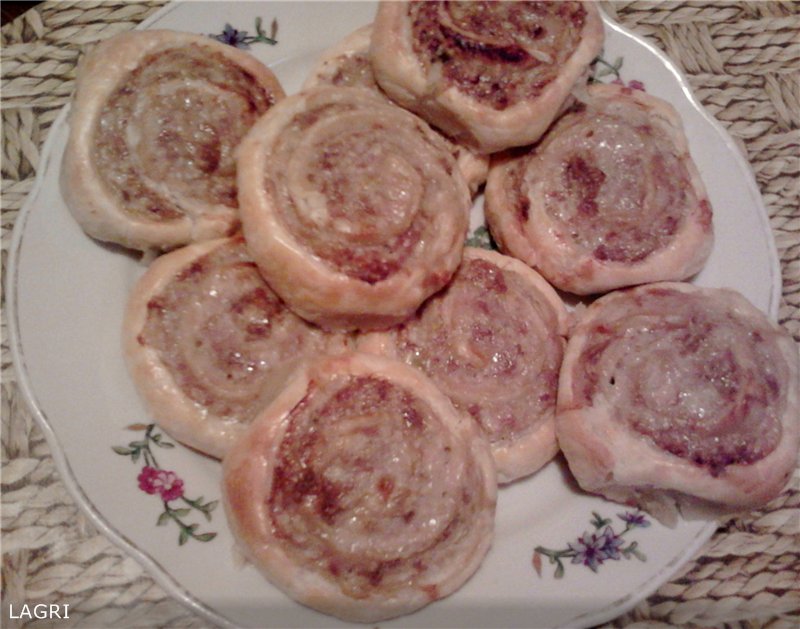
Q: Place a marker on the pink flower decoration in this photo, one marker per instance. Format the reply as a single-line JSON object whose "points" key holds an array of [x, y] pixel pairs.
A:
{"points": [[634, 84], [146, 478], [163, 482]]}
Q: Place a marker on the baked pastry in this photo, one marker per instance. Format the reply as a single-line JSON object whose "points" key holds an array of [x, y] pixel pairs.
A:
{"points": [[492, 341], [609, 198], [208, 343], [154, 123], [491, 75], [345, 64], [360, 491], [352, 207], [348, 64], [674, 395]]}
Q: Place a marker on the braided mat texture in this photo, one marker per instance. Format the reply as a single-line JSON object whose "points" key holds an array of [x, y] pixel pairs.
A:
{"points": [[743, 61]]}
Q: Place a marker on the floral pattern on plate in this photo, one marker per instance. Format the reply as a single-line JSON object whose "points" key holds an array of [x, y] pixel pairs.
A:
{"points": [[155, 480], [603, 68], [593, 548], [241, 39]]}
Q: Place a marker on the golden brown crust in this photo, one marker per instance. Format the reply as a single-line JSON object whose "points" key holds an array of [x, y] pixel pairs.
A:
{"points": [[176, 339], [470, 121], [619, 449], [300, 192], [332, 539], [566, 240], [102, 212]]}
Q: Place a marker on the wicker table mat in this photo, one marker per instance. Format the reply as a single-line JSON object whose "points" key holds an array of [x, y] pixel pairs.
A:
{"points": [[743, 61]]}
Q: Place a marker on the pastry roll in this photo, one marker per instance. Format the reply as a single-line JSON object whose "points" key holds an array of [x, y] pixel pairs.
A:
{"points": [[353, 208], [208, 343], [672, 394], [492, 341], [360, 491], [491, 75], [609, 198], [156, 117], [345, 64], [348, 64]]}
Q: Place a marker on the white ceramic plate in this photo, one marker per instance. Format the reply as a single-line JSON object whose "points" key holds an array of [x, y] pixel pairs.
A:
{"points": [[66, 296]]}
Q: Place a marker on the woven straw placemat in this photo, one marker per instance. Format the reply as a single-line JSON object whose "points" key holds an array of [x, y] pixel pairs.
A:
{"points": [[743, 61]]}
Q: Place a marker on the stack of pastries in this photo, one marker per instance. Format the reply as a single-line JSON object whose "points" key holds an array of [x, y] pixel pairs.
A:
{"points": [[315, 320]]}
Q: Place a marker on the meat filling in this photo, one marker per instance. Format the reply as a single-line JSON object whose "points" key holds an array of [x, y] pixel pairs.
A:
{"points": [[489, 344], [616, 188], [170, 130], [357, 187], [500, 53], [700, 384], [220, 331], [354, 494]]}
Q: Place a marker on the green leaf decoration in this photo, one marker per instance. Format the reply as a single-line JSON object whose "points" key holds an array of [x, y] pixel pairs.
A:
{"points": [[592, 550], [598, 521], [142, 449], [481, 238], [205, 537]]}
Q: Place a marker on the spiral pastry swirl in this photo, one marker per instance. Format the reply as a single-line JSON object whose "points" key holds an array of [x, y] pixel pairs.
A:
{"points": [[492, 341], [209, 344], [156, 117], [491, 75], [353, 208], [672, 390], [360, 491], [348, 64], [609, 198]]}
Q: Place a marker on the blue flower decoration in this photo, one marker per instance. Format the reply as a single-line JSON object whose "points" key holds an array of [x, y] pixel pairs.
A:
{"points": [[634, 519], [593, 548], [232, 37], [241, 39]]}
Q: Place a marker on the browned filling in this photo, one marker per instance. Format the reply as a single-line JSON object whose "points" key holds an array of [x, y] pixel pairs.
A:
{"points": [[491, 346], [500, 53], [191, 132], [370, 187], [698, 382], [620, 191], [223, 359], [337, 478]]}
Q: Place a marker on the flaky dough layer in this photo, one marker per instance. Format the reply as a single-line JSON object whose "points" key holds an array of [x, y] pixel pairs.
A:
{"points": [[353, 208], [673, 395], [208, 344], [153, 125], [609, 198], [348, 64], [360, 491], [472, 82], [493, 342]]}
